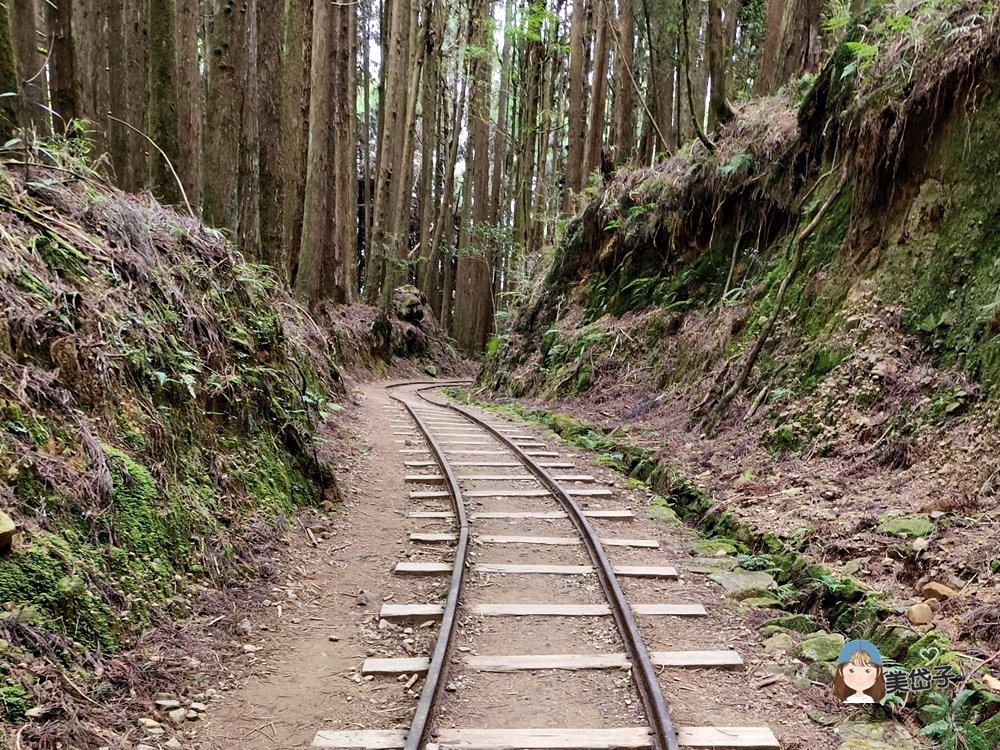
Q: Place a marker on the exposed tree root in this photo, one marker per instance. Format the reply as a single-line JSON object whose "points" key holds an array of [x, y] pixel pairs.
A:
{"points": [[719, 411]]}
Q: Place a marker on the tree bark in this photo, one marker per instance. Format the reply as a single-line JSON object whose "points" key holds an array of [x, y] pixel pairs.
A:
{"points": [[719, 111], [329, 235], [792, 43], [296, 72], [163, 101], [270, 22], [58, 15], [10, 110], [624, 95], [91, 77], [190, 103], [598, 99], [32, 88], [577, 114]]}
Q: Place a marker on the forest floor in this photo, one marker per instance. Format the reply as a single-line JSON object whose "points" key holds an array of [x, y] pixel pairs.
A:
{"points": [[309, 630]]}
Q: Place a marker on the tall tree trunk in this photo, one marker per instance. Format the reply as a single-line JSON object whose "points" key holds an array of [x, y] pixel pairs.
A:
{"points": [[327, 259], [792, 43], [445, 220], [10, 111], [624, 94], [500, 141], [137, 95], [190, 104], [429, 121], [719, 111], [58, 15], [248, 176], [598, 99], [163, 102], [32, 89], [296, 72], [577, 114], [91, 74], [270, 22], [473, 277], [389, 168]]}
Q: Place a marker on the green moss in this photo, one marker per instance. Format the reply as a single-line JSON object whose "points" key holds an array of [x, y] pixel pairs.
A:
{"points": [[13, 701]]}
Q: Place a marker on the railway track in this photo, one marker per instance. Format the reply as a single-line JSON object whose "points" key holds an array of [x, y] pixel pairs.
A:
{"points": [[525, 568]]}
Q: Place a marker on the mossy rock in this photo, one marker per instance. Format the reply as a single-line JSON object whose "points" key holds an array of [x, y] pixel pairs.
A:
{"points": [[909, 527], [778, 642], [932, 646], [798, 623], [709, 547], [822, 671], [821, 647], [664, 515], [761, 602], [893, 643], [431, 370], [749, 592], [769, 630], [991, 730], [566, 427]]}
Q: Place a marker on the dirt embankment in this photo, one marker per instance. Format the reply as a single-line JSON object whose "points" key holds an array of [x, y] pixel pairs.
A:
{"points": [[841, 250], [165, 410]]}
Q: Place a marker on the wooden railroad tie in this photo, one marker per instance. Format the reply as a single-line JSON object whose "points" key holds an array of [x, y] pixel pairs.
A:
{"points": [[563, 662], [718, 738], [541, 514], [426, 611], [625, 571]]}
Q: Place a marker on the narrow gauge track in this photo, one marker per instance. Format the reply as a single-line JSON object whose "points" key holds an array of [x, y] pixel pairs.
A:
{"points": [[454, 438]]}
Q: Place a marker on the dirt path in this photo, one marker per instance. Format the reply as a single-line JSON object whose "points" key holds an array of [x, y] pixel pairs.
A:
{"points": [[303, 675]]}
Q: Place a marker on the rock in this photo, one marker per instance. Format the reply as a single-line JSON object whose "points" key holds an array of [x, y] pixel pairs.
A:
{"points": [[761, 602], [140, 746], [938, 591], [820, 647], [173, 743], [164, 696], [824, 720], [250, 648], [409, 304], [192, 716], [178, 715], [431, 370], [168, 704], [147, 724], [333, 638], [743, 579], [910, 527], [798, 623], [38, 712], [383, 624], [199, 707], [822, 671], [367, 597], [245, 626], [7, 530], [451, 687], [749, 592], [893, 643], [920, 613], [778, 642], [768, 630]]}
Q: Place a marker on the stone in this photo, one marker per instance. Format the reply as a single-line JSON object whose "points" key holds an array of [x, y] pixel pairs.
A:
{"points": [[147, 723], [768, 630], [938, 591], [920, 613], [178, 715], [250, 648], [824, 720], [199, 707], [168, 704], [410, 304], [749, 592], [192, 716], [910, 527], [761, 602], [451, 687], [743, 579], [173, 743], [7, 530], [367, 597], [245, 626], [38, 712], [798, 623], [892, 643], [333, 638], [140, 746], [431, 370], [820, 647], [778, 642], [822, 672]]}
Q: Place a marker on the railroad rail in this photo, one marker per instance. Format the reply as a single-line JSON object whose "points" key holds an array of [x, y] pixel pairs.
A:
{"points": [[442, 425]]}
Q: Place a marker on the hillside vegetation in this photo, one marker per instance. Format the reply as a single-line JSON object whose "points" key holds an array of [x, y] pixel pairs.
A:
{"points": [[803, 323], [165, 408]]}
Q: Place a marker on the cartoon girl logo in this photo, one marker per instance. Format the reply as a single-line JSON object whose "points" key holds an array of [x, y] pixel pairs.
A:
{"points": [[859, 677]]}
